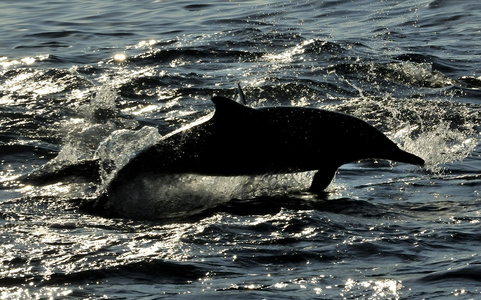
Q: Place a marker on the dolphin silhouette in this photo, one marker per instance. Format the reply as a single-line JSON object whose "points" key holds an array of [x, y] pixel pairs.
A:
{"points": [[238, 140]]}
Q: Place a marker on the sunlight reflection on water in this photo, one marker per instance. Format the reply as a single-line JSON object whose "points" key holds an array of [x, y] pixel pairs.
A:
{"points": [[372, 289]]}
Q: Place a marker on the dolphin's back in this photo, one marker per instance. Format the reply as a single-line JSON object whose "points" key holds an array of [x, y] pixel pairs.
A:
{"points": [[288, 139]]}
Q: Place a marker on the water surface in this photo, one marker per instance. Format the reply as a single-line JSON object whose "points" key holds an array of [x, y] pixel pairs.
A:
{"points": [[86, 80]]}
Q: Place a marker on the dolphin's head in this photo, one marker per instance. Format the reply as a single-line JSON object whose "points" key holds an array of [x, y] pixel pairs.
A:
{"points": [[347, 139], [374, 144]]}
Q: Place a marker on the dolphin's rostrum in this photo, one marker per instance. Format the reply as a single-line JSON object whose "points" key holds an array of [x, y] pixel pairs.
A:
{"points": [[239, 140]]}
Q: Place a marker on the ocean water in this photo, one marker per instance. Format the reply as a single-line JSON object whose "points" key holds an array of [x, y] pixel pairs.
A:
{"points": [[82, 81]]}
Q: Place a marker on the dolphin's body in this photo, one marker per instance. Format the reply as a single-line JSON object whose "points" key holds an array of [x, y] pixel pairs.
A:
{"points": [[239, 140]]}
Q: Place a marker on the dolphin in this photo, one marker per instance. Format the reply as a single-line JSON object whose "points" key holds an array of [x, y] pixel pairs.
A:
{"points": [[241, 98], [238, 140]]}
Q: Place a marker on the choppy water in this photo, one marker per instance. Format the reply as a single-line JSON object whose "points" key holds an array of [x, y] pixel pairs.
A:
{"points": [[81, 80]]}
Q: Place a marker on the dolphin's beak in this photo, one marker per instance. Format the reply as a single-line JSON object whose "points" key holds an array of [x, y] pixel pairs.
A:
{"points": [[408, 158]]}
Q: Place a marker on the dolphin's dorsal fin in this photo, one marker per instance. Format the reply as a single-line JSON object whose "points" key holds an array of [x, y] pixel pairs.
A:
{"points": [[227, 109], [240, 95]]}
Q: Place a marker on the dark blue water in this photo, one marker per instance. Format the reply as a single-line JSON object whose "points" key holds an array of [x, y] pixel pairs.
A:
{"points": [[83, 81]]}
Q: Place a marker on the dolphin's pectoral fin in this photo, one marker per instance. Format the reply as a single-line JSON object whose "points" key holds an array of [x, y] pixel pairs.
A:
{"points": [[322, 179]]}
